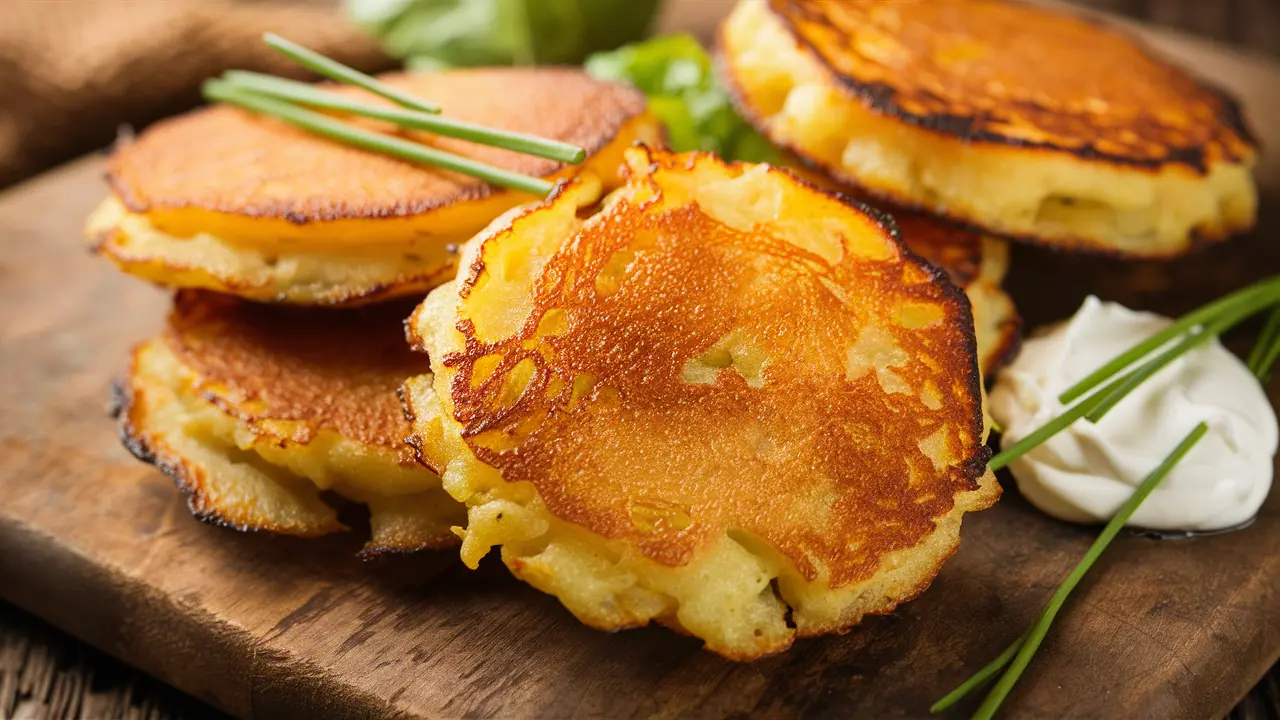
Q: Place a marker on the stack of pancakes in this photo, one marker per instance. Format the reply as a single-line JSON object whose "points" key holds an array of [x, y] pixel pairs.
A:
{"points": [[736, 400], [271, 395]]}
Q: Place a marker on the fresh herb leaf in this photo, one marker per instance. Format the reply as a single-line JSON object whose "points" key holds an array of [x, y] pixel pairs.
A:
{"points": [[677, 75], [469, 33]]}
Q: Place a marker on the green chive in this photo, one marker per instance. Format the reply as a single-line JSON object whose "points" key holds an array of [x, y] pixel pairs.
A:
{"points": [[335, 70], [1268, 361], [1255, 296], [305, 94], [222, 91], [1268, 342], [1098, 404], [1198, 336], [981, 677], [1018, 665], [1051, 428]]}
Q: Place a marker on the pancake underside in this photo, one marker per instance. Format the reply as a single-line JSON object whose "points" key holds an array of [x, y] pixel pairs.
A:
{"points": [[328, 276]]}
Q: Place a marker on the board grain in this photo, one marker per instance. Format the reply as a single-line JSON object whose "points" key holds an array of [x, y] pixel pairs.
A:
{"points": [[102, 547]]}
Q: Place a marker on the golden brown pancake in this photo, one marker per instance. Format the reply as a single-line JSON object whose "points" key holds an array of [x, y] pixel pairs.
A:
{"points": [[723, 394], [256, 410], [230, 201], [975, 262], [1023, 121]]}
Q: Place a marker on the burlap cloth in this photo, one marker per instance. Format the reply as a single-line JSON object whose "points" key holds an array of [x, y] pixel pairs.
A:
{"points": [[73, 71]]}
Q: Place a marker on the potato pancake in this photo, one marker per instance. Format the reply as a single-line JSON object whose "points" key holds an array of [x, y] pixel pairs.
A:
{"points": [[1022, 121], [721, 399], [255, 410], [226, 200], [977, 263]]}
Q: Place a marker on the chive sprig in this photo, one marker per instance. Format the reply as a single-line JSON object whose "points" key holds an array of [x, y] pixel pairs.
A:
{"points": [[334, 70], [1267, 350], [320, 124], [1092, 401], [1250, 300], [297, 103], [1018, 655], [311, 96]]}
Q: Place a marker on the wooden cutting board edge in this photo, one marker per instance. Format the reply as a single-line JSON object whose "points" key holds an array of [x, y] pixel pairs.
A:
{"points": [[199, 653]]}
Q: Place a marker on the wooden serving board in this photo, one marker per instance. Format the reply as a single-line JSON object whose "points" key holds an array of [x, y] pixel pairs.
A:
{"points": [[103, 547]]}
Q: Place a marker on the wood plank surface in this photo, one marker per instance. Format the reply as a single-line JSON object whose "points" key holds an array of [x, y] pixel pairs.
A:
{"points": [[263, 627], [47, 675]]}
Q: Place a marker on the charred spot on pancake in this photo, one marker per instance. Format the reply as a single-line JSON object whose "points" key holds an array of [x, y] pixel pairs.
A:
{"points": [[980, 70], [724, 382]]}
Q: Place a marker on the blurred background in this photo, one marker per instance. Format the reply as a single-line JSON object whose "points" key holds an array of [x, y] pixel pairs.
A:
{"points": [[72, 72], [75, 73]]}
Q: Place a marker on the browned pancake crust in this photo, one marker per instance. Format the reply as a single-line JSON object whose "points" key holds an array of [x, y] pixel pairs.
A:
{"points": [[129, 400], [960, 252], [954, 249], [1006, 72], [263, 168], [827, 470], [322, 369], [127, 404]]}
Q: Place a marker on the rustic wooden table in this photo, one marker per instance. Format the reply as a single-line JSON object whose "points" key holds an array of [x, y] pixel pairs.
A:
{"points": [[45, 673]]}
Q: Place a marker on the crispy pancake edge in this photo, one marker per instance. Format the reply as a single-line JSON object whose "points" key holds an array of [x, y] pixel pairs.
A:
{"points": [[1201, 238], [156, 269], [189, 478], [880, 99], [193, 312]]}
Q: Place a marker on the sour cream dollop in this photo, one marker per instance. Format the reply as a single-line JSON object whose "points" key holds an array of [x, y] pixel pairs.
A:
{"points": [[1086, 472]]}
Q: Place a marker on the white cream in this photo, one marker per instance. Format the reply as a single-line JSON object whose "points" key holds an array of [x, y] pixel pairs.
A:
{"points": [[1086, 472]]}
